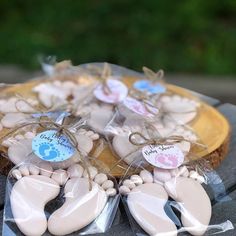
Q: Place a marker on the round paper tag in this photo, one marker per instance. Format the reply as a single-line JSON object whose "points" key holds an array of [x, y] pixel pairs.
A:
{"points": [[118, 92], [163, 156], [139, 107], [146, 85], [48, 146]]}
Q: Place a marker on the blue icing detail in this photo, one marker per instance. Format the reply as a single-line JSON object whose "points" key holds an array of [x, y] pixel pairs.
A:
{"points": [[145, 85], [49, 147], [48, 151]]}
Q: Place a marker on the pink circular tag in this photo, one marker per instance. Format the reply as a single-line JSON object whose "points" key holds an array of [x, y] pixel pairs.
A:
{"points": [[139, 107], [163, 156], [116, 93]]}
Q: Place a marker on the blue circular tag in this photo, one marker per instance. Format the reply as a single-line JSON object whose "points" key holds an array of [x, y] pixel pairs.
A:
{"points": [[49, 146], [148, 86]]}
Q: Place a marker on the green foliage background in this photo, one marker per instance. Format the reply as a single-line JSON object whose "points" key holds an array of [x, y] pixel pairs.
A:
{"points": [[196, 36]]}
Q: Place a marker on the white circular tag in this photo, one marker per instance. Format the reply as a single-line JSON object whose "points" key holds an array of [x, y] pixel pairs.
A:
{"points": [[118, 92], [163, 156], [139, 107], [48, 146]]}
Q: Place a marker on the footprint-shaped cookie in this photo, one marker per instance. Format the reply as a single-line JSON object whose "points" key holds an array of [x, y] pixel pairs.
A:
{"points": [[28, 198], [81, 207], [146, 201], [195, 205], [100, 115], [81, 204], [181, 110], [146, 192], [35, 187]]}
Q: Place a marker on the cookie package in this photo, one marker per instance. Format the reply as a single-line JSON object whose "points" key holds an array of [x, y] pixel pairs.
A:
{"points": [[55, 128]]}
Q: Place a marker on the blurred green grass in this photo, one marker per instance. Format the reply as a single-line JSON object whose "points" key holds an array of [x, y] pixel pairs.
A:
{"points": [[193, 36]]}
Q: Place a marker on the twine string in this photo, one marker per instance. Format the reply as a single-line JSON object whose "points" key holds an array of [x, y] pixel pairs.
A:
{"points": [[61, 130]]}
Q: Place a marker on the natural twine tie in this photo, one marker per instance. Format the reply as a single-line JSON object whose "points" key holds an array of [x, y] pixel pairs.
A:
{"points": [[61, 129]]}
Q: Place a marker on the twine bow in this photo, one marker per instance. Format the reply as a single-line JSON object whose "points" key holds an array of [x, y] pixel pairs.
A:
{"points": [[103, 74], [62, 129], [170, 140], [153, 76]]}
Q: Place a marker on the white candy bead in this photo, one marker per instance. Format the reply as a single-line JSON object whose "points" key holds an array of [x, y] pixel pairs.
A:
{"points": [[60, 176], [107, 184], [146, 176], [24, 170], [129, 183], [111, 192], [124, 190], [136, 179], [75, 170], [161, 175], [45, 169], [92, 171], [100, 178], [16, 174], [33, 170]]}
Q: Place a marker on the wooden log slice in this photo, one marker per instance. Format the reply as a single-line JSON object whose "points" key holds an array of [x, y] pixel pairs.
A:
{"points": [[210, 125]]}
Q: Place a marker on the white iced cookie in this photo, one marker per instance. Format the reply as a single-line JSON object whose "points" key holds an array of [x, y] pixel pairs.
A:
{"points": [[180, 109], [20, 148], [186, 189], [146, 203], [51, 93], [36, 186], [81, 204], [28, 198], [124, 148], [100, 115], [11, 120], [179, 184], [85, 140], [195, 205], [15, 104]]}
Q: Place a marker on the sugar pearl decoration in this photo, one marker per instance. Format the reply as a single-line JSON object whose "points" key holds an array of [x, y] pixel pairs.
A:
{"points": [[24, 170], [146, 176], [111, 192], [107, 184], [75, 170], [33, 170], [129, 184], [60, 176], [124, 190], [92, 171], [16, 174], [136, 179], [100, 178]]}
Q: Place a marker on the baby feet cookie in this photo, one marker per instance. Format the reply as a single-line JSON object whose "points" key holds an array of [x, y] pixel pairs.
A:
{"points": [[146, 201], [35, 187], [180, 109], [99, 115], [81, 203], [186, 189], [29, 195], [20, 148], [147, 194]]}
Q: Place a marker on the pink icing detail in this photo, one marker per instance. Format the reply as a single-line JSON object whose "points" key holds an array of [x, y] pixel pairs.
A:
{"points": [[167, 160]]}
